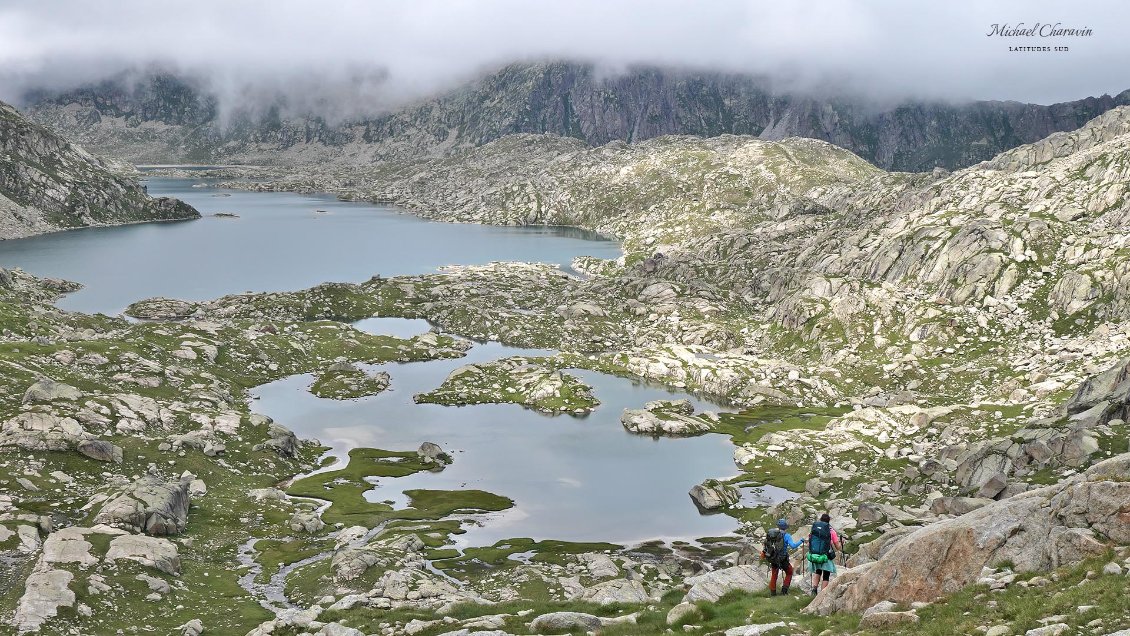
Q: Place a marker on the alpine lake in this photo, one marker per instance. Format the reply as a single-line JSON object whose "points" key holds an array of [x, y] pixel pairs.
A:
{"points": [[571, 477]]}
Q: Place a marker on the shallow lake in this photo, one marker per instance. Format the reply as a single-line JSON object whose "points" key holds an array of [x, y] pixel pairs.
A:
{"points": [[571, 478]]}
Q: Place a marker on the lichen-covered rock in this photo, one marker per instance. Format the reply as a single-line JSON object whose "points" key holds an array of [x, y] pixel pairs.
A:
{"points": [[100, 450], [713, 495], [36, 430], [45, 591], [600, 566], [662, 421], [1109, 390], [150, 505], [1036, 531], [432, 453], [563, 622], [616, 591], [154, 552], [161, 309], [957, 505], [48, 390], [280, 440], [711, 586], [306, 521]]}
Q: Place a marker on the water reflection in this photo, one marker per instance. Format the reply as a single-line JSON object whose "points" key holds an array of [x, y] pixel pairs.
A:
{"points": [[579, 479]]}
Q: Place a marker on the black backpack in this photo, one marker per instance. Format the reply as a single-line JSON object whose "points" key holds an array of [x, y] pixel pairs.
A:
{"points": [[774, 549], [820, 540]]}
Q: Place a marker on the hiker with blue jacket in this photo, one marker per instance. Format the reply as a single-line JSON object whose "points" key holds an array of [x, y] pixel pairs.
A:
{"points": [[776, 552], [822, 545]]}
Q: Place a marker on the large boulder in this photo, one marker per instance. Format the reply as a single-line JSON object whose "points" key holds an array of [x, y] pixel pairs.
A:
{"points": [[957, 505], [978, 465], [600, 566], [40, 431], [280, 439], [48, 390], [351, 563], [564, 622], [616, 591], [100, 450], [662, 422], [35, 430], [712, 586], [712, 495], [150, 505], [153, 552], [1109, 390], [1037, 530], [432, 453], [306, 521], [872, 551]]}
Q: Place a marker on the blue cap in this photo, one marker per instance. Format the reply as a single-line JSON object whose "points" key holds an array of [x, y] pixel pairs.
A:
{"points": [[782, 524]]}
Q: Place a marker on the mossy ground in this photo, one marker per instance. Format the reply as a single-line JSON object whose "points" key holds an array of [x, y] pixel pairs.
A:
{"points": [[345, 488], [227, 360]]}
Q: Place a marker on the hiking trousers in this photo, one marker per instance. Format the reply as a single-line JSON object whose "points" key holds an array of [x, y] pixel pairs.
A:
{"points": [[788, 577]]}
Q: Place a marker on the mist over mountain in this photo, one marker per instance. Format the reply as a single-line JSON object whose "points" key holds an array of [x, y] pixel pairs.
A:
{"points": [[908, 87], [160, 117], [880, 49]]}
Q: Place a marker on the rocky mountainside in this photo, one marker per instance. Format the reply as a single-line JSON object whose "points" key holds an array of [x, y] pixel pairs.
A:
{"points": [[48, 184], [801, 228], [938, 360], [954, 313], [164, 118], [795, 272]]}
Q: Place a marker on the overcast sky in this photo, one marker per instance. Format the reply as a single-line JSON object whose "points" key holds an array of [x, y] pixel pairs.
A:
{"points": [[888, 49]]}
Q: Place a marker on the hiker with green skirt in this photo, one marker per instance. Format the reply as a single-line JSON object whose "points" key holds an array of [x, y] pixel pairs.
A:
{"points": [[822, 544]]}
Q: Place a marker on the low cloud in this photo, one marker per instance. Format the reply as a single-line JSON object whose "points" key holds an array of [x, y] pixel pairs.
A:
{"points": [[375, 55]]}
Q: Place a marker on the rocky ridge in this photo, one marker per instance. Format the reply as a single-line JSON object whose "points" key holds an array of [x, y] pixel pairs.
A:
{"points": [[47, 184], [164, 118]]}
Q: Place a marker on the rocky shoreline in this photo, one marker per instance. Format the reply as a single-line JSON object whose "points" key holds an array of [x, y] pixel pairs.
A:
{"points": [[48, 185]]}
